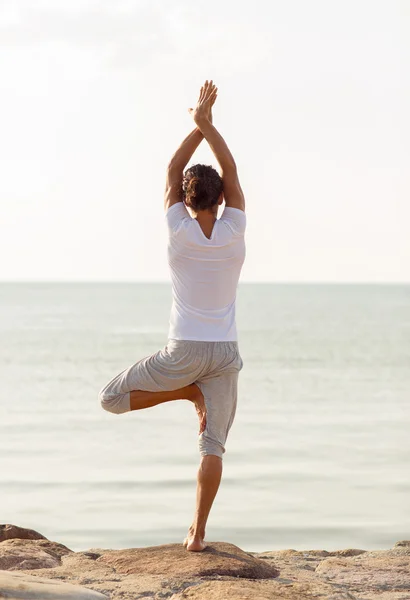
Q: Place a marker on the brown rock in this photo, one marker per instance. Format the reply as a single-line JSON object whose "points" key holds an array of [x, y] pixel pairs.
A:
{"points": [[382, 570], [219, 558], [82, 568], [18, 586], [222, 571], [8, 532], [402, 543], [249, 590], [30, 554], [348, 552]]}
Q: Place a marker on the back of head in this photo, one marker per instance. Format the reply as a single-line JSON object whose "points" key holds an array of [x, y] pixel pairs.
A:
{"points": [[202, 185]]}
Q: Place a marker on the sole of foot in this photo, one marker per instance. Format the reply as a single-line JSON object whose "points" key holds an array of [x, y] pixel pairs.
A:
{"points": [[194, 544]]}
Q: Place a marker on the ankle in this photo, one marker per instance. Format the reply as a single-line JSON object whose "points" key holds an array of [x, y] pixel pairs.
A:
{"points": [[197, 532]]}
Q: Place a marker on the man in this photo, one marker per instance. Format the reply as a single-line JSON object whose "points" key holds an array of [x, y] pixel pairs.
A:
{"points": [[201, 361]]}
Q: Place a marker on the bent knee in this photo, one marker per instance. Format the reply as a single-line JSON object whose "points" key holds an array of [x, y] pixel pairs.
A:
{"points": [[115, 403], [208, 445]]}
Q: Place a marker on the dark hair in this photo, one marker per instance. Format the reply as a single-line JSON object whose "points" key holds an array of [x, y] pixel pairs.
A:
{"points": [[201, 187]]}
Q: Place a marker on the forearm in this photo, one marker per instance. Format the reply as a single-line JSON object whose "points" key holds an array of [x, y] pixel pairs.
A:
{"points": [[217, 145], [184, 153]]}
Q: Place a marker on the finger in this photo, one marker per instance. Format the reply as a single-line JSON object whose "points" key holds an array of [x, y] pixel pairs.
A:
{"points": [[206, 90], [209, 100], [211, 90], [208, 86], [203, 92], [212, 98]]}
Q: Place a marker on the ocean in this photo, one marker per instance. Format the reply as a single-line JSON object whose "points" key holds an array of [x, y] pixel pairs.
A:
{"points": [[318, 455]]}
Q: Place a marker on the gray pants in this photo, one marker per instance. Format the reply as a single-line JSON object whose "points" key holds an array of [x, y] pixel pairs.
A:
{"points": [[213, 366]]}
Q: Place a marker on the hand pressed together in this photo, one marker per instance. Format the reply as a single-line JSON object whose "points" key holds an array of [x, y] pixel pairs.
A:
{"points": [[203, 109]]}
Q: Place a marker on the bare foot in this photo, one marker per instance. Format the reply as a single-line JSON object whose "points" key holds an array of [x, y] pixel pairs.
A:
{"points": [[194, 542], [198, 399]]}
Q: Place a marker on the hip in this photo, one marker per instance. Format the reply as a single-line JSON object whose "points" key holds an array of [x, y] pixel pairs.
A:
{"points": [[221, 353]]}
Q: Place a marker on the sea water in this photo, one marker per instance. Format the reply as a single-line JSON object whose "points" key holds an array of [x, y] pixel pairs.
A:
{"points": [[318, 455]]}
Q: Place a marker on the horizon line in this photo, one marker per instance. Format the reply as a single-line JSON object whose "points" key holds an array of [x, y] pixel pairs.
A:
{"points": [[168, 282]]}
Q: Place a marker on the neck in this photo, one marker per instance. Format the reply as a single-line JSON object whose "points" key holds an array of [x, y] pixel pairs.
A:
{"points": [[205, 215]]}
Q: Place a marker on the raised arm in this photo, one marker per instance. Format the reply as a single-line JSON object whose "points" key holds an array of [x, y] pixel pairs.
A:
{"points": [[233, 193], [176, 166], [178, 162]]}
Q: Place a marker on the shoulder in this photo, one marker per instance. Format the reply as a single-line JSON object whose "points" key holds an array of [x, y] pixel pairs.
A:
{"points": [[177, 207], [175, 215], [235, 219]]}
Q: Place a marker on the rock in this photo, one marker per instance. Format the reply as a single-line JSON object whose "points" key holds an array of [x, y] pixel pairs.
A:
{"points": [[348, 552], [8, 532], [248, 590], [382, 570], [219, 558], [18, 586], [402, 543], [30, 554], [83, 569], [222, 571]]}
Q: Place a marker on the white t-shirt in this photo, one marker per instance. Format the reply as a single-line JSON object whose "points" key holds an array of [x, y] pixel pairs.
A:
{"points": [[205, 274]]}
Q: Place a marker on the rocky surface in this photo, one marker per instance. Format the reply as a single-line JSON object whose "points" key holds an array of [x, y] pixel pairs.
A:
{"points": [[221, 571], [20, 586]]}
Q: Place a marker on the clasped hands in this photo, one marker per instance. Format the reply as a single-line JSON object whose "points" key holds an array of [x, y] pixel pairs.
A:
{"points": [[203, 109]]}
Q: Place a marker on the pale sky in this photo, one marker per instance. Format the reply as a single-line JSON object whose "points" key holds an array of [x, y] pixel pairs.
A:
{"points": [[313, 102]]}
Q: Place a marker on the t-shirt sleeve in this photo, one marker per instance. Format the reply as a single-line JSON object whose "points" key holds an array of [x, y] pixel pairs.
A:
{"points": [[175, 216], [235, 220]]}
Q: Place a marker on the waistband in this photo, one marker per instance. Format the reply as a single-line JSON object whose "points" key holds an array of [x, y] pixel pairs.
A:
{"points": [[203, 343]]}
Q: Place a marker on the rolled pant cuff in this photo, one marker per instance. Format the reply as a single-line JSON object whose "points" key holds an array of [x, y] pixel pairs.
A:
{"points": [[118, 404]]}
